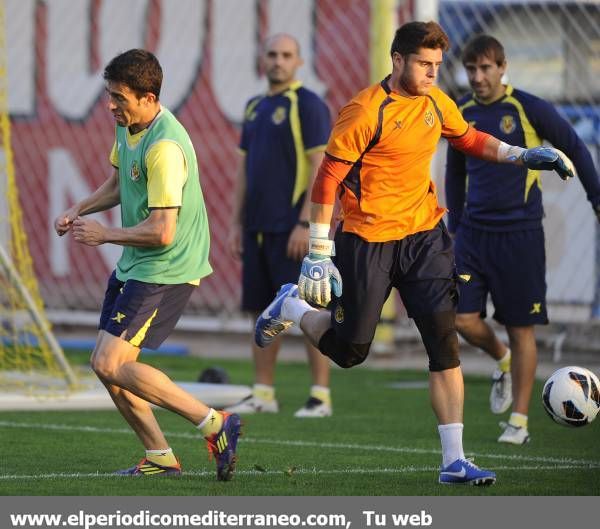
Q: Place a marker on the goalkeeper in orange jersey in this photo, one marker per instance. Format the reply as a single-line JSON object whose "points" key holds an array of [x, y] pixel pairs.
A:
{"points": [[378, 161], [165, 241]]}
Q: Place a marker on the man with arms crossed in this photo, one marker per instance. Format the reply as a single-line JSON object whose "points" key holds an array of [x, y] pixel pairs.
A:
{"points": [[165, 241], [378, 159], [497, 219], [283, 139]]}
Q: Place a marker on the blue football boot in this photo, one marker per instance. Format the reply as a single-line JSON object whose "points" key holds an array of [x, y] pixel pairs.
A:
{"points": [[463, 471], [222, 445], [269, 324]]}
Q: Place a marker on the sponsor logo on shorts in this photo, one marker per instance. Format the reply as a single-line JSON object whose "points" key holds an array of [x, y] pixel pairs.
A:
{"points": [[119, 317], [536, 308]]}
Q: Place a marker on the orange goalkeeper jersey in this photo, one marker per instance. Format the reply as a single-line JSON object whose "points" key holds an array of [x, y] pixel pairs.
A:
{"points": [[389, 140]]}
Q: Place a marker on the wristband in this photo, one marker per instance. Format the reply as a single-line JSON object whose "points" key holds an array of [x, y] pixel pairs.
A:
{"points": [[509, 153], [321, 247], [319, 230], [303, 223]]}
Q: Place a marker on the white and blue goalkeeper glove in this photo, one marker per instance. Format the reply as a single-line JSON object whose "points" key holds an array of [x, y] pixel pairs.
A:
{"points": [[318, 275], [550, 159]]}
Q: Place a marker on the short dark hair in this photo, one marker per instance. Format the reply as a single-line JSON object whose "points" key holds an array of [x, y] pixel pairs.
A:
{"points": [[414, 35], [483, 46], [138, 69]]}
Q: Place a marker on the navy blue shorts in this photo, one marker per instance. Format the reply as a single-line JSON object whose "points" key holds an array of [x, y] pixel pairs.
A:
{"points": [[510, 266], [420, 266], [143, 314], [265, 267]]}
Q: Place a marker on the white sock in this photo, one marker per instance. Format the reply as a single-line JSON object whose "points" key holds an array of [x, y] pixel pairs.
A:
{"points": [[294, 308], [451, 437]]}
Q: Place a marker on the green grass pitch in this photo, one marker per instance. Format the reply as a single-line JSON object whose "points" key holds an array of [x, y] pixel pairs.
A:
{"points": [[380, 441]]}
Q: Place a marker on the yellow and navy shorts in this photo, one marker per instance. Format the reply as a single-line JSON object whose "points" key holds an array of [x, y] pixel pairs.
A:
{"points": [[143, 314], [510, 266]]}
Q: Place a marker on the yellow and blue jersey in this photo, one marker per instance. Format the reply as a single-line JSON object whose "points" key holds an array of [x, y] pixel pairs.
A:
{"points": [[507, 197], [278, 133]]}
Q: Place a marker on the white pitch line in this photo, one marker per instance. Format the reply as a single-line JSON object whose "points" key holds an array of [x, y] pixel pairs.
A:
{"points": [[305, 472], [313, 444]]}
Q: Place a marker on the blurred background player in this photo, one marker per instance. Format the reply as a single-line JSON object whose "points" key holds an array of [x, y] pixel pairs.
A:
{"points": [[165, 241], [497, 219], [378, 158], [283, 138]]}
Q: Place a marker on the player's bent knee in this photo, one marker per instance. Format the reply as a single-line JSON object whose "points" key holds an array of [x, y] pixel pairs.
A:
{"points": [[104, 368], [439, 336], [100, 369], [345, 354], [447, 356]]}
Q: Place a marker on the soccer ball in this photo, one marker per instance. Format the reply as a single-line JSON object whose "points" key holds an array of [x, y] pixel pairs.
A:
{"points": [[571, 396]]}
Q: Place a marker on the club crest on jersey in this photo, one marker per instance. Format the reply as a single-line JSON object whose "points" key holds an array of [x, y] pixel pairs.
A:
{"points": [[135, 171], [279, 115], [507, 124], [429, 119], [339, 313]]}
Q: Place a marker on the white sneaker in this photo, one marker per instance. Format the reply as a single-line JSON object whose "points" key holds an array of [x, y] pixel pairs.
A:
{"points": [[501, 394], [515, 435], [252, 404], [314, 408]]}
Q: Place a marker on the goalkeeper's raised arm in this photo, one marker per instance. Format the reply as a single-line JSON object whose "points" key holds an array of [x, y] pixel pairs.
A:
{"points": [[487, 147]]}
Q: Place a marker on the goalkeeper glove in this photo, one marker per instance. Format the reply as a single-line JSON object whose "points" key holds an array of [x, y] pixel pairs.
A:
{"points": [[318, 275], [550, 159]]}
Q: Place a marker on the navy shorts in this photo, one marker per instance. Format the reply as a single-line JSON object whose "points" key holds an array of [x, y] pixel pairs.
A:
{"points": [[420, 266], [143, 314], [510, 266], [265, 267]]}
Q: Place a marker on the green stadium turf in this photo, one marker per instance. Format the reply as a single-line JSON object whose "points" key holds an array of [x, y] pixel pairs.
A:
{"points": [[380, 441]]}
